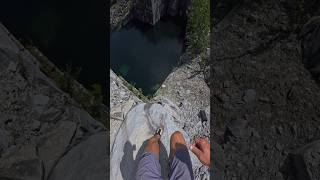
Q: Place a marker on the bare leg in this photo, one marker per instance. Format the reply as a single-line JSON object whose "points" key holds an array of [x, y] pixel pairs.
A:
{"points": [[153, 145], [176, 141], [148, 165], [180, 162]]}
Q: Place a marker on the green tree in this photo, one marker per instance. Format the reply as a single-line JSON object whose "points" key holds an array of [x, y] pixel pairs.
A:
{"points": [[198, 27]]}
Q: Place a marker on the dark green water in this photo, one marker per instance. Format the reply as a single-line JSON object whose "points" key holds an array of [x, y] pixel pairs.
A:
{"points": [[67, 32], [145, 55]]}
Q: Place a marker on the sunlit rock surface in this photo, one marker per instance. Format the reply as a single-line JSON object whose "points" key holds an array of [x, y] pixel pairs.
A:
{"points": [[140, 124], [121, 101], [181, 103], [185, 87]]}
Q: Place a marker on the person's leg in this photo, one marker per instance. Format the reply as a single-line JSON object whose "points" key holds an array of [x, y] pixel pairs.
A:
{"points": [[153, 145], [179, 159], [149, 167]]}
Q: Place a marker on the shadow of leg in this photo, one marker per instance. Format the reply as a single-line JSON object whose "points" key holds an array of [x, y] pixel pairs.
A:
{"points": [[127, 161], [164, 161]]}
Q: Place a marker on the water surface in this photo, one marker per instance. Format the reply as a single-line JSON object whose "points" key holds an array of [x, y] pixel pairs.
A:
{"points": [[145, 55]]}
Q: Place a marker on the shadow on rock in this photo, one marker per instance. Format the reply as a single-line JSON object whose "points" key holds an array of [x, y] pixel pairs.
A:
{"points": [[294, 168]]}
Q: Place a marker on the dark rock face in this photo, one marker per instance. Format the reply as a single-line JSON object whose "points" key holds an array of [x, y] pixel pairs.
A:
{"points": [[222, 7], [120, 13], [177, 7], [150, 11], [264, 102], [147, 11], [303, 163], [310, 35], [87, 152], [43, 133]]}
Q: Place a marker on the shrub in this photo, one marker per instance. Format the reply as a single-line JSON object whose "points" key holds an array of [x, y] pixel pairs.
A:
{"points": [[66, 80], [198, 27]]}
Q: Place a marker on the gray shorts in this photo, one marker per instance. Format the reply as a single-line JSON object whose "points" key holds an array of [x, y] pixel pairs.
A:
{"points": [[180, 167]]}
